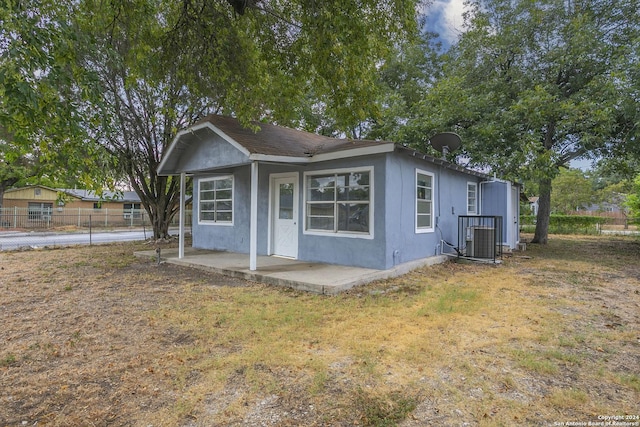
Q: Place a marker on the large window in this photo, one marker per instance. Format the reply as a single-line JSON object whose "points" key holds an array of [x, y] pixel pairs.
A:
{"points": [[424, 201], [216, 200], [339, 202], [472, 198], [39, 211]]}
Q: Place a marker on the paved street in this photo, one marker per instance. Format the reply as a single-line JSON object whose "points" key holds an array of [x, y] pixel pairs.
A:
{"points": [[621, 232], [13, 240]]}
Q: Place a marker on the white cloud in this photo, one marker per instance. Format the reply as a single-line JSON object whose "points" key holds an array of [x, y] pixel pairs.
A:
{"points": [[445, 18]]}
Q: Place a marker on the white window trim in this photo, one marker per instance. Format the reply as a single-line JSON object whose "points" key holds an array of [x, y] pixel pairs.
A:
{"points": [[430, 229], [348, 234], [474, 184], [233, 200]]}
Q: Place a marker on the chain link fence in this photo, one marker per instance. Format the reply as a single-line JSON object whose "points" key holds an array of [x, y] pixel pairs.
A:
{"points": [[589, 223], [28, 227]]}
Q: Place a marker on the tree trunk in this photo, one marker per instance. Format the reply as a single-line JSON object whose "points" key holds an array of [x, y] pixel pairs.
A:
{"points": [[162, 210], [159, 196], [160, 221], [544, 212]]}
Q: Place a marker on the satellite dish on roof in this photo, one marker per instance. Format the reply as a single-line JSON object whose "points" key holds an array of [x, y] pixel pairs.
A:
{"points": [[445, 142]]}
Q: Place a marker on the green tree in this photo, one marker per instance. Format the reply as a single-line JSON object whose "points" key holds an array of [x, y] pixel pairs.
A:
{"points": [[264, 60], [532, 85], [15, 164], [43, 130], [572, 191], [633, 200], [611, 183], [405, 78], [130, 73]]}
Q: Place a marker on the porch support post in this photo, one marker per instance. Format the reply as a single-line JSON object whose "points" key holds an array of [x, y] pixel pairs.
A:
{"points": [[510, 217], [183, 187], [253, 225]]}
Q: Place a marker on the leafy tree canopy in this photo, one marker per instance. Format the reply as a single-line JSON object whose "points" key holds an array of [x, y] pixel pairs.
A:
{"points": [[121, 77], [633, 200], [405, 79], [572, 191], [269, 60], [532, 85]]}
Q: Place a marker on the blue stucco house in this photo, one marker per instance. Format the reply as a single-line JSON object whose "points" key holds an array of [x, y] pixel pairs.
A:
{"points": [[289, 193]]}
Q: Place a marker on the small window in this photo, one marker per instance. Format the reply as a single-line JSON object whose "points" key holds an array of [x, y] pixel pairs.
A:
{"points": [[472, 198], [216, 200], [37, 192], [339, 202], [131, 210], [285, 201], [97, 205], [424, 201]]}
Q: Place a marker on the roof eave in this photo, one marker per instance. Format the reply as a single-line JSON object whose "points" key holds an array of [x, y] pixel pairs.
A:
{"points": [[442, 162], [191, 130], [327, 156]]}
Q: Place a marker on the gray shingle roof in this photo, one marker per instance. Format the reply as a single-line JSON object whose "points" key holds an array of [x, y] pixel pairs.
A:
{"points": [[290, 144], [281, 141]]}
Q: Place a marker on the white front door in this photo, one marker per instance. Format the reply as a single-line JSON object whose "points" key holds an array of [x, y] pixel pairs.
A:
{"points": [[285, 216]]}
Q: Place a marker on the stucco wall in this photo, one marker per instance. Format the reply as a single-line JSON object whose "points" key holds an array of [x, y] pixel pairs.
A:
{"points": [[225, 237], [340, 249], [330, 248], [212, 151], [394, 239], [449, 201]]}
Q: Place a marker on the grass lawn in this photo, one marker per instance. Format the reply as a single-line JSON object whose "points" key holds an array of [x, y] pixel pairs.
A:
{"points": [[94, 336]]}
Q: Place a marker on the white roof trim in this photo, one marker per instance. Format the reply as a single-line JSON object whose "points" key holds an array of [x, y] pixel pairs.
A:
{"points": [[323, 157], [226, 138], [194, 128], [216, 170], [354, 152], [278, 159]]}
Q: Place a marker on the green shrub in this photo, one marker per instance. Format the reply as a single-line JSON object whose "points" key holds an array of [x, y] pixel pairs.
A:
{"points": [[566, 224]]}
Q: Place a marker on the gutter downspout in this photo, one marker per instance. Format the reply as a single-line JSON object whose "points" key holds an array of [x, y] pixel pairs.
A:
{"points": [[480, 197], [510, 215], [183, 185]]}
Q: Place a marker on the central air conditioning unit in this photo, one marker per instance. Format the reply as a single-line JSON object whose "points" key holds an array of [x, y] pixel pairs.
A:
{"points": [[481, 242], [480, 236]]}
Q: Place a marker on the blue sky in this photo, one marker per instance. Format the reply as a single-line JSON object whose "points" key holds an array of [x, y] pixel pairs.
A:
{"points": [[445, 18]]}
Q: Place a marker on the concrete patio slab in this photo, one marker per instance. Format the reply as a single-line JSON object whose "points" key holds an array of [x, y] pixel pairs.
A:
{"points": [[306, 276]]}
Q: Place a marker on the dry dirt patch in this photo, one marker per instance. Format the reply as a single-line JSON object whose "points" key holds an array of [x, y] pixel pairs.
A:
{"points": [[78, 344], [93, 336]]}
